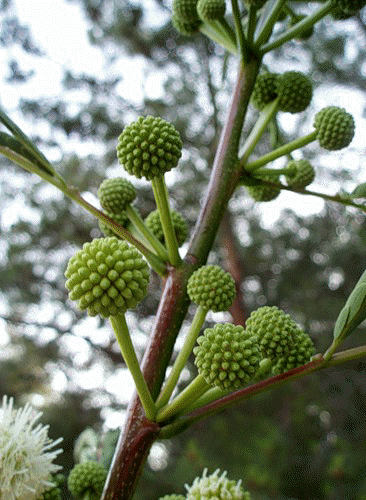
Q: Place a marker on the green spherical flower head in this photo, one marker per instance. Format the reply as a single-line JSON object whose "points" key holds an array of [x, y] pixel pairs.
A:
{"points": [[227, 356], [300, 354], [107, 277], [149, 147], [263, 192], [264, 90], [216, 487], [294, 90], [153, 222], [115, 194], [277, 331], [303, 175], [211, 10], [335, 128], [212, 288], [120, 218], [87, 477], [185, 10]]}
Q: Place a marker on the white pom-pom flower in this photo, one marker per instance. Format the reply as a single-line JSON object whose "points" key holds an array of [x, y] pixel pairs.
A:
{"points": [[216, 487], [26, 453]]}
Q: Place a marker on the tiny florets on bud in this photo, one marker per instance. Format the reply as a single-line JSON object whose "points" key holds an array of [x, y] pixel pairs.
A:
{"points": [[120, 218], [149, 147], [276, 331], [260, 191], [107, 277], [210, 10], [185, 10], [335, 128], [212, 288], [303, 173], [300, 354], [216, 487], [87, 477], [227, 356], [294, 90], [153, 222], [264, 90], [115, 194]]}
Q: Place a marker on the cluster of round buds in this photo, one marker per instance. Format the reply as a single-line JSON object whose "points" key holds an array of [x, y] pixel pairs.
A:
{"points": [[211, 288], [335, 128], [300, 354], [264, 90], [115, 194], [185, 17], [107, 277], [260, 191], [153, 222], [149, 147], [302, 175], [87, 478], [227, 356], [294, 90], [216, 487], [279, 337], [211, 10]]}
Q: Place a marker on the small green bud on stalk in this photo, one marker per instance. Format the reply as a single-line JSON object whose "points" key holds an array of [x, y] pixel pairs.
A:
{"points": [[87, 478], [211, 10], [153, 222], [265, 90], [301, 173]]}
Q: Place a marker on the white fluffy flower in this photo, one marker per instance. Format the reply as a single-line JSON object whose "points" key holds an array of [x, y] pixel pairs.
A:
{"points": [[25, 453], [215, 487]]}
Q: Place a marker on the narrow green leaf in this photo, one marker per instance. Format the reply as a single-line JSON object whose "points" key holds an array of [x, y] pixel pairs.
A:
{"points": [[359, 191], [341, 322]]}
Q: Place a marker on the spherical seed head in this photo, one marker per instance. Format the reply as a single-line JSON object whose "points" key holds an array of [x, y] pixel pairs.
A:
{"points": [[149, 147], [115, 194], [335, 128], [263, 192], [107, 277], [212, 288], [227, 356], [276, 331], [264, 90], [185, 10], [121, 219], [87, 477], [211, 10], [216, 487], [294, 90], [153, 222], [300, 354], [303, 175]]}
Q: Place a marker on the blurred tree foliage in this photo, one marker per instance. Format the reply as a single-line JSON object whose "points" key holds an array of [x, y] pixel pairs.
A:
{"points": [[301, 441]]}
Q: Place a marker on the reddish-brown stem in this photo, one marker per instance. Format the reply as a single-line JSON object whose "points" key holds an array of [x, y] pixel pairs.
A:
{"points": [[139, 434]]}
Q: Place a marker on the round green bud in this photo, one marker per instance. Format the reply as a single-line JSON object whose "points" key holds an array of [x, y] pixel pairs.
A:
{"points": [[348, 7], [300, 354], [264, 90], [51, 494], [107, 277], [185, 27], [121, 219], [149, 147], [260, 191], [153, 222], [216, 487], [335, 128], [87, 477], [294, 90], [212, 288], [185, 10], [303, 173], [276, 331], [227, 356], [211, 10], [115, 194], [173, 496]]}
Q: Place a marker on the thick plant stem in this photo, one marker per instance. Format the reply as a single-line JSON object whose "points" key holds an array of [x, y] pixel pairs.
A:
{"points": [[139, 434]]}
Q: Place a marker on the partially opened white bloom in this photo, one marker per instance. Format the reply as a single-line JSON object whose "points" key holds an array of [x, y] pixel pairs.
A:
{"points": [[25, 453], [216, 487]]}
